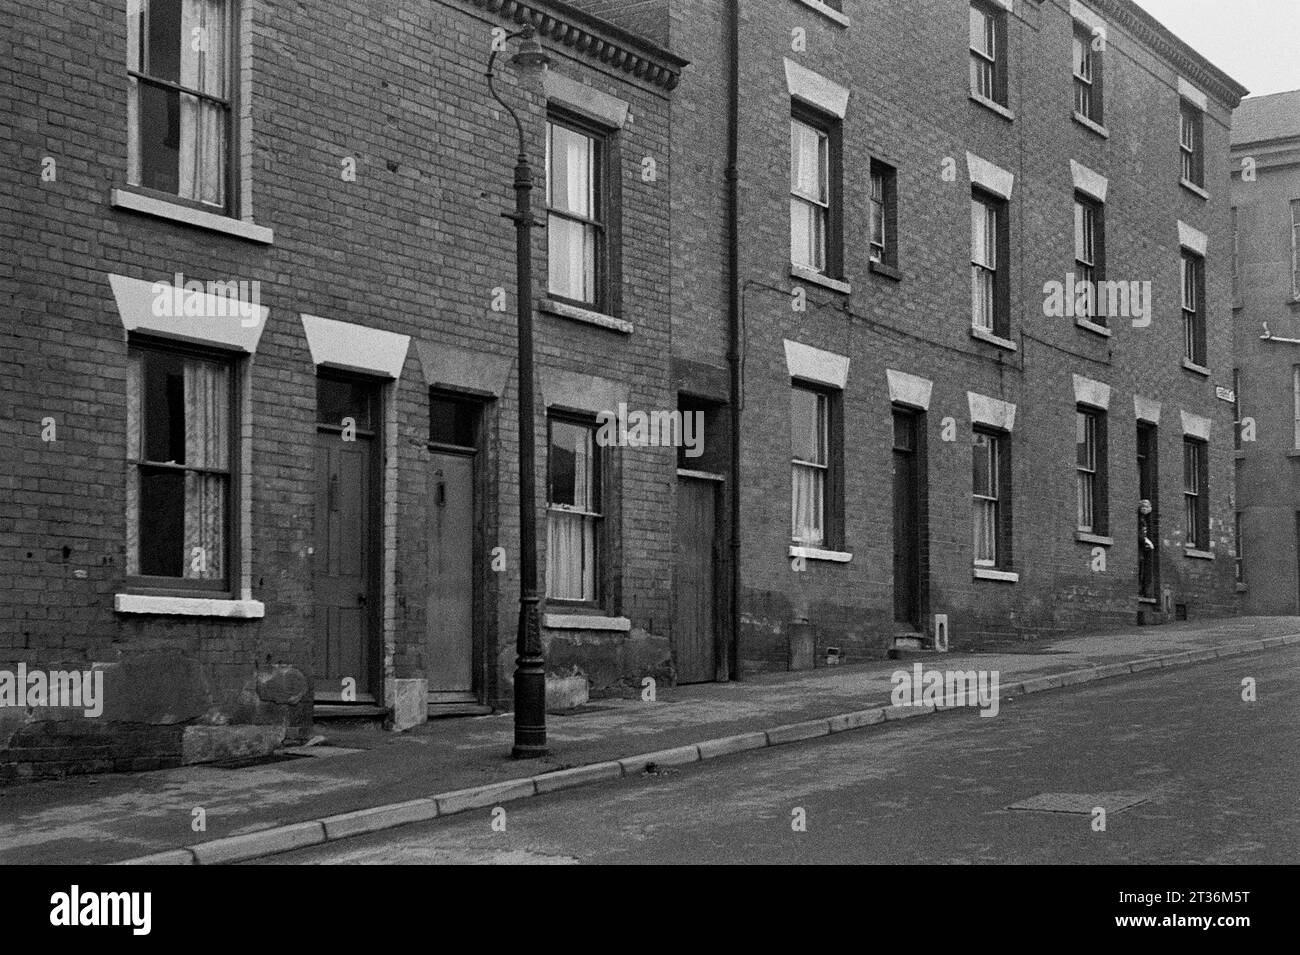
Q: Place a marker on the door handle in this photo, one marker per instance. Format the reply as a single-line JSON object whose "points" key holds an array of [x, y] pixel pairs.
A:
{"points": [[440, 498], [361, 599]]}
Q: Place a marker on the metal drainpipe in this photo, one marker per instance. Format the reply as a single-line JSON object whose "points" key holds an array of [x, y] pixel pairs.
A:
{"points": [[733, 312]]}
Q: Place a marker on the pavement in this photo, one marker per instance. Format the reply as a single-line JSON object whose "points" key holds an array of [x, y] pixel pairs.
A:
{"points": [[362, 780]]}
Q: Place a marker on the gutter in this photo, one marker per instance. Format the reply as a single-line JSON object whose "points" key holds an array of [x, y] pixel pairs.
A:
{"points": [[733, 318]]}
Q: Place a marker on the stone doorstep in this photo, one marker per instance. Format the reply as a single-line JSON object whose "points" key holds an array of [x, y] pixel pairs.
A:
{"points": [[266, 842]]}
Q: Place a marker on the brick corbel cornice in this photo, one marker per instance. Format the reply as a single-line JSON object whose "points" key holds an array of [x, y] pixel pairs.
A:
{"points": [[1196, 68], [593, 37]]}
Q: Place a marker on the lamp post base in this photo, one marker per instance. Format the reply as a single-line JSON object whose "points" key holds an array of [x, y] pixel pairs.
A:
{"points": [[528, 752]]}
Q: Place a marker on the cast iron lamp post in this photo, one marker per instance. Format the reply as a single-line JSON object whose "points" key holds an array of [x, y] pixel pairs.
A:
{"points": [[530, 665]]}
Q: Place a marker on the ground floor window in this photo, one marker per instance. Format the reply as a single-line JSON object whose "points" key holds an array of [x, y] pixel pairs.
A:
{"points": [[179, 437]]}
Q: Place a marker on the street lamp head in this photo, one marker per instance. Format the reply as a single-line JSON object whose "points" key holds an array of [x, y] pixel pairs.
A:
{"points": [[531, 58]]}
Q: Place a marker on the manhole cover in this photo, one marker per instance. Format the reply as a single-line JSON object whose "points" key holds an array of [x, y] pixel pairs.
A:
{"points": [[1080, 803]]}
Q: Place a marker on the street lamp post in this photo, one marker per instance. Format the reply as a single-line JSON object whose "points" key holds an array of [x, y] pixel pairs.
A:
{"points": [[530, 664]]}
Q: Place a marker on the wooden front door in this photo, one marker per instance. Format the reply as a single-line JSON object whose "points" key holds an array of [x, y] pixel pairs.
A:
{"points": [[907, 521], [449, 626], [346, 550], [695, 618]]}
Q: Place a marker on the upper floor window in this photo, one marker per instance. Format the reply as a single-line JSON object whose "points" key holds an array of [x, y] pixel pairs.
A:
{"points": [[1236, 253], [1087, 75], [179, 106], [573, 514], [1089, 253], [989, 306], [180, 436], [1295, 249], [1295, 406], [1193, 308], [814, 193], [1190, 143], [884, 212], [988, 51], [575, 213]]}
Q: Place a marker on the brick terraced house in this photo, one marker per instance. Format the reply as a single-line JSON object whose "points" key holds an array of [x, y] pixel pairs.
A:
{"points": [[257, 364], [942, 436]]}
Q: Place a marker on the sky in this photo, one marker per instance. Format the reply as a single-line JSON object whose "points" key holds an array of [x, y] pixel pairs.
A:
{"points": [[1256, 42]]}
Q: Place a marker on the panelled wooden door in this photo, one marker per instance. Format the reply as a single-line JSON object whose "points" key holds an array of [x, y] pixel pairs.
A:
{"points": [[907, 521], [449, 628], [695, 619], [345, 555]]}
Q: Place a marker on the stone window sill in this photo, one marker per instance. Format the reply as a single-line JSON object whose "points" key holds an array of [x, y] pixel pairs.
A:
{"points": [[818, 553], [885, 269], [1193, 188], [1004, 576], [1289, 454], [583, 621], [829, 12], [1195, 368], [189, 606], [585, 315], [1085, 537], [1197, 554], [1093, 327], [817, 278], [993, 106], [1092, 125], [175, 212], [985, 335]]}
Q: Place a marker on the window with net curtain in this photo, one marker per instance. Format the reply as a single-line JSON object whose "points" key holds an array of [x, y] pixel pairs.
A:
{"points": [[574, 214], [573, 512], [178, 468], [809, 466], [810, 197], [178, 98]]}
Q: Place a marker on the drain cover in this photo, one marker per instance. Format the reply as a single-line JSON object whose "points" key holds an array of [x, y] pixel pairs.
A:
{"points": [[1080, 803]]}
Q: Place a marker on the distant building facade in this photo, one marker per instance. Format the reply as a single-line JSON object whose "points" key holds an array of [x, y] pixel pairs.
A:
{"points": [[1266, 303]]}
